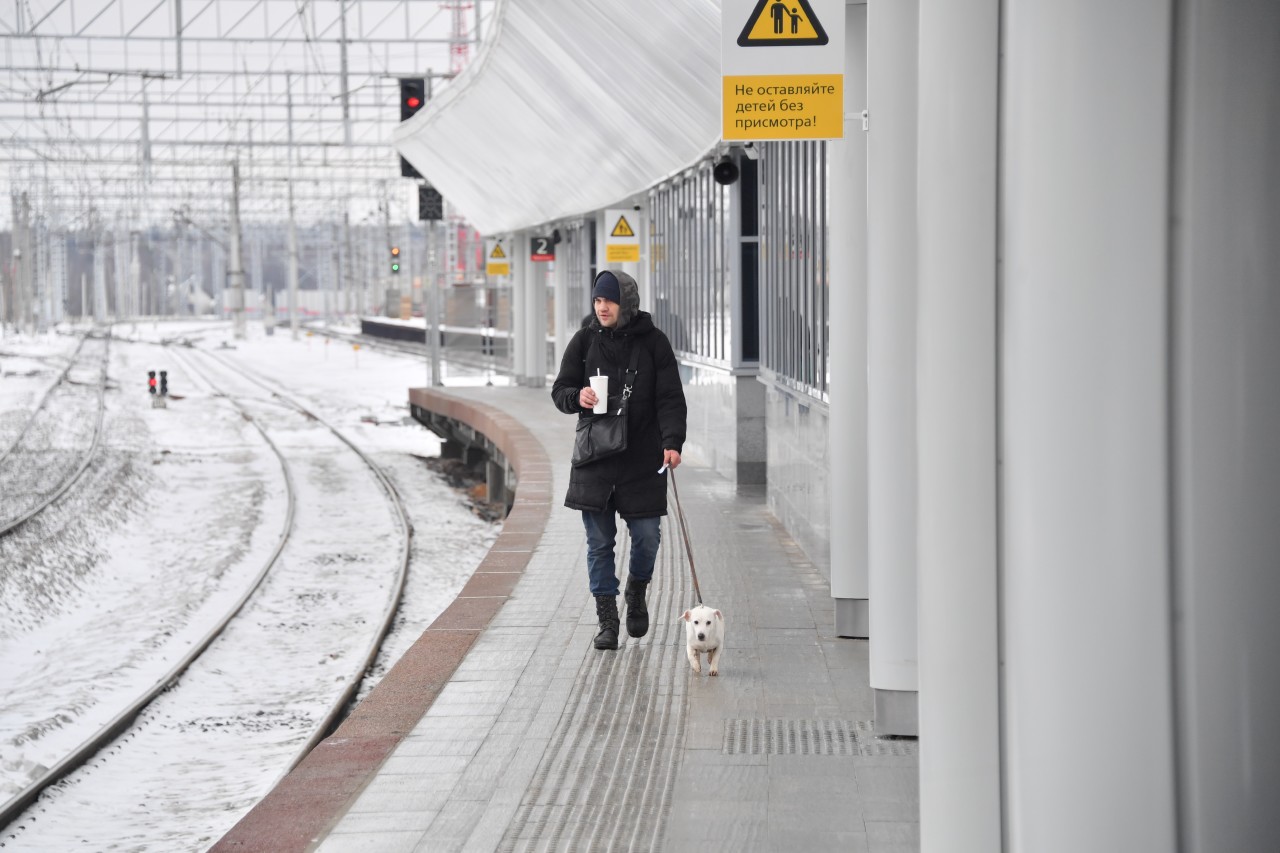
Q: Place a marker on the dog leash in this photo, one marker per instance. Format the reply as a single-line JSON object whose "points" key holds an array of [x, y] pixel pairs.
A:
{"points": [[684, 530]]}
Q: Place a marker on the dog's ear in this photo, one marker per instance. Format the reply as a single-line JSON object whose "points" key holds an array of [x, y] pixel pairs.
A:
{"points": [[718, 616], [685, 617]]}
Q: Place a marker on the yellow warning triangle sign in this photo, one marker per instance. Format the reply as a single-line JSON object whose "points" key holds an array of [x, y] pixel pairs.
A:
{"points": [[497, 251], [782, 22], [622, 229]]}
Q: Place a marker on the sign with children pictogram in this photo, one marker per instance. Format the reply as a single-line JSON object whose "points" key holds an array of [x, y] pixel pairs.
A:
{"points": [[496, 259], [782, 64], [786, 22], [622, 236]]}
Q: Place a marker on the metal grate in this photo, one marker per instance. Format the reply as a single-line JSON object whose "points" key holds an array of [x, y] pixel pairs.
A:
{"points": [[809, 737]]}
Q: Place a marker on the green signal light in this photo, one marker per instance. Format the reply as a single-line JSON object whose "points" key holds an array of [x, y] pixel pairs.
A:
{"points": [[395, 268]]}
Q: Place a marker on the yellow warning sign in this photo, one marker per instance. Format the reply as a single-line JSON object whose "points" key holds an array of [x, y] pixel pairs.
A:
{"points": [[622, 254], [622, 242], [497, 261], [782, 22], [622, 229], [783, 106]]}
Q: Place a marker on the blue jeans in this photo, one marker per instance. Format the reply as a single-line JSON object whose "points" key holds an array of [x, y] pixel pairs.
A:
{"points": [[602, 532]]}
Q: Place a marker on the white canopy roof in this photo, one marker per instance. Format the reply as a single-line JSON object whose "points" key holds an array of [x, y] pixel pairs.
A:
{"points": [[571, 107]]}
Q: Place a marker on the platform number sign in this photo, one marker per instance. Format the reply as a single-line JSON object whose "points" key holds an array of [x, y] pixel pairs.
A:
{"points": [[541, 249]]}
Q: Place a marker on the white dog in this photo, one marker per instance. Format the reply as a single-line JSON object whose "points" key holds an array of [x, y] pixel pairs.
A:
{"points": [[704, 632]]}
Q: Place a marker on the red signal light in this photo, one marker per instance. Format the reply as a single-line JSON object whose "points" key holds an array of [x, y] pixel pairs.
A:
{"points": [[413, 94]]}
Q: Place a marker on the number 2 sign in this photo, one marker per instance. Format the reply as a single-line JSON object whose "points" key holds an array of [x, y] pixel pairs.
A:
{"points": [[541, 249]]}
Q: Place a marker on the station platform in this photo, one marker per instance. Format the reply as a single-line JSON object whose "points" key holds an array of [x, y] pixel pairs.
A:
{"points": [[503, 729]]}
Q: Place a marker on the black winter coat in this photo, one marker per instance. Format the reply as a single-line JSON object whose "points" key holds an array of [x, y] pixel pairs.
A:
{"points": [[656, 415]]}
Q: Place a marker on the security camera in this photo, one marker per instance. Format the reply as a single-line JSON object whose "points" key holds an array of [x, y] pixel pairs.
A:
{"points": [[752, 152]]}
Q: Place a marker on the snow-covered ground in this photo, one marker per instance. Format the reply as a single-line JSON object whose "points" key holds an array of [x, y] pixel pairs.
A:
{"points": [[52, 448], [172, 522]]}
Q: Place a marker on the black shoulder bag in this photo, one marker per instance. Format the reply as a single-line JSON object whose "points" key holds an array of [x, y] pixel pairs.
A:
{"points": [[601, 436]]}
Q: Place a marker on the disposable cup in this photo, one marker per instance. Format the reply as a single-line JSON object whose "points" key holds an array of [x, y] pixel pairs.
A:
{"points": [[600, 384]]}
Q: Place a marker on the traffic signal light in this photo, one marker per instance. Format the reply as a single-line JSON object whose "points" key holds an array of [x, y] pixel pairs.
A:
{"points": [[413, 94], [430, 204], [151, 381], [164, 383], [395, 259]]}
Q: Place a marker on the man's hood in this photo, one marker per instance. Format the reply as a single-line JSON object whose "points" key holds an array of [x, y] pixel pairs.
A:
{"points": [[628, 308]]}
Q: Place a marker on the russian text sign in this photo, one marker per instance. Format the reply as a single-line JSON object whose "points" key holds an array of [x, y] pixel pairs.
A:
{"points": [[782, 63], [621, 236]]}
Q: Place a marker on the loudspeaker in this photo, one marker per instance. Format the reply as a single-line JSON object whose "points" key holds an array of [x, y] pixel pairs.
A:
{"points": [[725, 171]]}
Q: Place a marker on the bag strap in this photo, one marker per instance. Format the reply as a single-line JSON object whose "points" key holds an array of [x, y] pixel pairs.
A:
{"points": [[629, 379], [632, 373]]}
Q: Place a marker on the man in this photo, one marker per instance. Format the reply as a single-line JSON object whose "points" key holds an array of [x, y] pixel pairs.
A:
{"points": [[629, 483]]}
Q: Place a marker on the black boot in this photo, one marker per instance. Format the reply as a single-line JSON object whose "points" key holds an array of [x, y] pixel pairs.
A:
{"points": [[607, 613], [637, 612]]}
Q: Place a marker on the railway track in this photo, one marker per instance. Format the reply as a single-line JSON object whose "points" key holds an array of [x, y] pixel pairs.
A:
{"points": [[231, 381], [371, 652], [44, 398], [54, 448]]}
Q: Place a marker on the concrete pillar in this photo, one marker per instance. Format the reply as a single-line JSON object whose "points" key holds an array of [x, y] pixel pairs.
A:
{"points": [[847, 428], [566, 323], [638, 215], [891, 371], [1084, 425], [533, 278], [474, 456], [544, 317], [956, 400], [640, 269], [495, 480], [519, 319], [1226, 410]]}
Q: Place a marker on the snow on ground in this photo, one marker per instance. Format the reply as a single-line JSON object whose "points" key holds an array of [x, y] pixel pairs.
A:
{"points": [[28, 366], [191, 488], [364, 393]]}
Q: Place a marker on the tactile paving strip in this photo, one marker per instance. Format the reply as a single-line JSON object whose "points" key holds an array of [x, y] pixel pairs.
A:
{"points": [[810, 737], [605, 782]]}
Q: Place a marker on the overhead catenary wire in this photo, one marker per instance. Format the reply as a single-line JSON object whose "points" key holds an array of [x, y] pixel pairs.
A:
{"points": [[72, 95]]}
